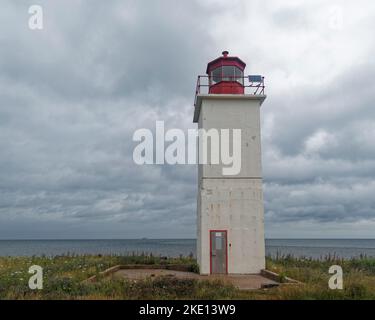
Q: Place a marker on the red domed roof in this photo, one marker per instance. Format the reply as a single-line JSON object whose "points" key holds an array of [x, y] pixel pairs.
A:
{"points": [[225, 60]]}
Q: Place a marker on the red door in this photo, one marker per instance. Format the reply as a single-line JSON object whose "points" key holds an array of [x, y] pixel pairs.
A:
{"points": [[218, 252]]}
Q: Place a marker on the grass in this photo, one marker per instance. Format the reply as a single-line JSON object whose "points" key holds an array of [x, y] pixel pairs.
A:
{"points": [[64, 275]]}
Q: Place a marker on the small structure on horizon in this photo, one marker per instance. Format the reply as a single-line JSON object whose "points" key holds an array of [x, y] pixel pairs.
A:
{"points": [[230, 224]]}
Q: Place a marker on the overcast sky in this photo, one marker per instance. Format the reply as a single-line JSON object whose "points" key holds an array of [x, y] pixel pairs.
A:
{"points": [[72, 94]]}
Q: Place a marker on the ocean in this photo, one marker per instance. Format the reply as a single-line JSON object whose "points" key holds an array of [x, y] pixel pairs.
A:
{"points": [[315, 248]]}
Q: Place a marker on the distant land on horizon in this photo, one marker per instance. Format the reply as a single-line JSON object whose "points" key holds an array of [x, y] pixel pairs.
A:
{"points": [[143, 238]]}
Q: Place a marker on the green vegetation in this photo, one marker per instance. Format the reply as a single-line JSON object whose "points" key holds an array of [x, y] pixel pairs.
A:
{"points": [[64, 279], [358, 275]]}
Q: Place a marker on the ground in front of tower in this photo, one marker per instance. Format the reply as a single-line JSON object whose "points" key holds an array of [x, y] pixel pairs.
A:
{"points": [[242, 282]]}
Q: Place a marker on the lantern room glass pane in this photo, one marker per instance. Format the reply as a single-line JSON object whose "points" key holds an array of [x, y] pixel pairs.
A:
{"points": [[216, 75], [228, 73], [239, 75]]}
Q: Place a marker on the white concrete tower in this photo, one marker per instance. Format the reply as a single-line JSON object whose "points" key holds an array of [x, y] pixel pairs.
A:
{"points": [[230, 224]]}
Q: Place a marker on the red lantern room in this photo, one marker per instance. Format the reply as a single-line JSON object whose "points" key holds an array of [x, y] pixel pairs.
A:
{"points": [[226, 75]]}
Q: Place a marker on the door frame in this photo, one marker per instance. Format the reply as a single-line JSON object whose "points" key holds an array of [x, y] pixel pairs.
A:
{"points": [[226, 248]]}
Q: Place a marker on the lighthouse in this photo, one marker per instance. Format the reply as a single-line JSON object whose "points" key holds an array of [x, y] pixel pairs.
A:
{"points": [[230, 212]]}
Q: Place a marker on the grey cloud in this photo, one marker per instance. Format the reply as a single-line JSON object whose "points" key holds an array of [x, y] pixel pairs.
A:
{"points": [[73, 94]]}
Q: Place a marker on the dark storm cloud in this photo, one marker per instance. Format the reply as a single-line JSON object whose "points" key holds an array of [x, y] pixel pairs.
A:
{"points": [[96, 50], [73, 94], [322, 168]]}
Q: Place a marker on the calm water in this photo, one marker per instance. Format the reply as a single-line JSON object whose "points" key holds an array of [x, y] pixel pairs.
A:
{"points": [[174, 247]]}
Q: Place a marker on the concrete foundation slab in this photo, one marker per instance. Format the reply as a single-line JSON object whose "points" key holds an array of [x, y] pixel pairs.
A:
{"points": [[242, 282]]}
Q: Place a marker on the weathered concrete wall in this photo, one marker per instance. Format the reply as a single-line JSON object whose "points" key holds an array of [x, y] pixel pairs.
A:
{"points": [[235, 114], [233, 203]]}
